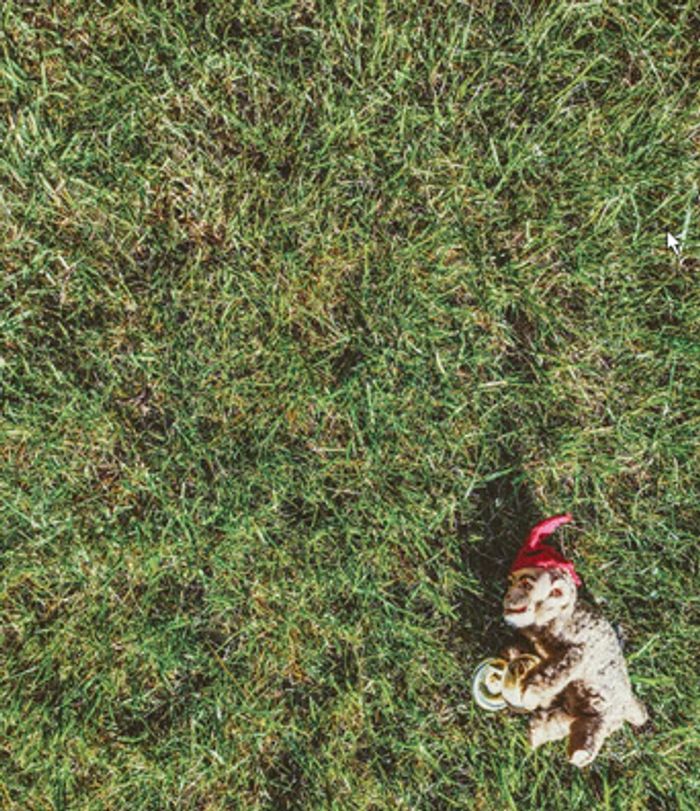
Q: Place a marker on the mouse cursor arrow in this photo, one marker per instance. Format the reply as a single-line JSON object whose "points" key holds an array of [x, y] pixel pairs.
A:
{"points": [[673, 244]]}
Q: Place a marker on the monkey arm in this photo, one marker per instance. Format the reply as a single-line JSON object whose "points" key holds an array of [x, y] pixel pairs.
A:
{"points": [[513, 651], [548, 679]]}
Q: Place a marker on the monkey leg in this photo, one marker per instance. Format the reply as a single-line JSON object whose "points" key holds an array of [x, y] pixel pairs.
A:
{"points": [[549, 725], [587, 736]]}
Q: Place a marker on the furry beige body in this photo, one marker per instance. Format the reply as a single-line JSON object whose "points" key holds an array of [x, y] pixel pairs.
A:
{"points": [[581, 688]]}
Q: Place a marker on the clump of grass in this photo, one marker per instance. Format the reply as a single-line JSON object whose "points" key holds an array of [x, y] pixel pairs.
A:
{"points": [[308, 313]]}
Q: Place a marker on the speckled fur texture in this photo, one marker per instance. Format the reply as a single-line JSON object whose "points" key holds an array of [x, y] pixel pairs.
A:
{"points": [[581, 688]]}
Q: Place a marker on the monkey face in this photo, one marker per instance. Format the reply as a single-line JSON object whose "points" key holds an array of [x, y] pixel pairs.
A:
{"points": [[536, 596]]}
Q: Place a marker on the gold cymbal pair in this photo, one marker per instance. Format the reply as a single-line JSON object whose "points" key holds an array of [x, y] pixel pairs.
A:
{"points": [[498, 684]]}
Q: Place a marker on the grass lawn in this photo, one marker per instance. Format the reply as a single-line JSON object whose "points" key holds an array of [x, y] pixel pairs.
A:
{"points": [[308, 311]]}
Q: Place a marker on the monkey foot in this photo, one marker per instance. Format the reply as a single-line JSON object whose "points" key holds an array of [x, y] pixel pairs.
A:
{"points": [[581, 758], [535, 738]]}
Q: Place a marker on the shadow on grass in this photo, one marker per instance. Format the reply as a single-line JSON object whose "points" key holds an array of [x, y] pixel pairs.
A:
{"points": [[505, 513]]}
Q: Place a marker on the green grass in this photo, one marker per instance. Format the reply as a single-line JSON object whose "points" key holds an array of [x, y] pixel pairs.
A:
{"points": [[308, 311]]}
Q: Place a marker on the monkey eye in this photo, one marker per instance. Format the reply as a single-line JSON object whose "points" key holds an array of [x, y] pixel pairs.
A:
{"points": [[555, 593]]}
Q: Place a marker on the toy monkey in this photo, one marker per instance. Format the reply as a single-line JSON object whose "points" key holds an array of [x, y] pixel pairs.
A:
{"points": [[580, 688]]}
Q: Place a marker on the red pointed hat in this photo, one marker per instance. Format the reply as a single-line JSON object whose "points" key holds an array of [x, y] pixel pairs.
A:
{"points": [[535, 553]]}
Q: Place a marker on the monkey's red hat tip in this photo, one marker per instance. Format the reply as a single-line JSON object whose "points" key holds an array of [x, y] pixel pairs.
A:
{"points": [[535, 553]]}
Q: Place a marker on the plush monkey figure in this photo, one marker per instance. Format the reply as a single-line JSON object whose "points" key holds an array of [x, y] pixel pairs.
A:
{"points": [[581, 687]]}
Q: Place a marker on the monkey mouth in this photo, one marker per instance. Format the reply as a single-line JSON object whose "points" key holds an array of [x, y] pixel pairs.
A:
{"points": [[516, 610]]}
